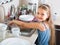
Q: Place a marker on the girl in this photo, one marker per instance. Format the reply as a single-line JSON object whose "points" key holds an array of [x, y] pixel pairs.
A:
{"points": [[46, 32]]}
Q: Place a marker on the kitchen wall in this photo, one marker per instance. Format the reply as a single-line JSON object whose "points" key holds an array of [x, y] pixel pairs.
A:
{"points": [[23, 2], [55, 10], [26, 1]]}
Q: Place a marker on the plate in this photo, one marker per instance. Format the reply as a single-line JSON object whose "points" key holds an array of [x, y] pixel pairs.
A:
{"points": [[26, 17], [15, 41]]}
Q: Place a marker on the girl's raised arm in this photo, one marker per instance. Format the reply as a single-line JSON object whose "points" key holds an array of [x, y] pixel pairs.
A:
{"points": [[33, 25]]}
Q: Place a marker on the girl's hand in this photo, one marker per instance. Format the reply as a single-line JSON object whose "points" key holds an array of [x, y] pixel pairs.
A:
{"points": [[15, 22], [11, 22]]}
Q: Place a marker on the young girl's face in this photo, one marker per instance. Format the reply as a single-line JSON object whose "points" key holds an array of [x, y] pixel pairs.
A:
{"points": [[42, 14]]}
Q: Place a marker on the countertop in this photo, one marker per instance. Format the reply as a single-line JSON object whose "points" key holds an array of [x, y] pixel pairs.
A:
{"points": [[32, 38]]}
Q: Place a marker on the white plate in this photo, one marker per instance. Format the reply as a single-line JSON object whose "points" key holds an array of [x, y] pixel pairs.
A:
{"points": [[26, 17], [15, 41]]}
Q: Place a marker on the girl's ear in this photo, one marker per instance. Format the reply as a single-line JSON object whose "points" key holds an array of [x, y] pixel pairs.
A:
{"points": [[48, 17]]}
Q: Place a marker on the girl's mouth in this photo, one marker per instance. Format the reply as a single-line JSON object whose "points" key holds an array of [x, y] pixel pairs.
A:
{"points": [[40, 18]]}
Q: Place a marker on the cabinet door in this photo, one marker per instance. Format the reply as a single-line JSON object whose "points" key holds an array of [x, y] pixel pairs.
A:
{"points": [[57, 31]]}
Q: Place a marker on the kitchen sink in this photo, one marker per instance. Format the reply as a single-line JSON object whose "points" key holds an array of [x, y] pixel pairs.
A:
{"points": [[27, 32], [24, 32]]}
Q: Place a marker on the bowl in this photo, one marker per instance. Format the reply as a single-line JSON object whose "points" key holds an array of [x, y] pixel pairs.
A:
{"points": [[26, 17]]}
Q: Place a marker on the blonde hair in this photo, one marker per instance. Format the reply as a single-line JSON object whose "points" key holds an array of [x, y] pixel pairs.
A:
{"points": [[50, 23]]}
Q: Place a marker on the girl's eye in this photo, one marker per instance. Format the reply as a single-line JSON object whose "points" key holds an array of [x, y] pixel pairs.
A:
{"points": [[38, 13], [42, 14]]}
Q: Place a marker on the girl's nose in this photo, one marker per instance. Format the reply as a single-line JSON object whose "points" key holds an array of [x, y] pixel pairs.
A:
{"points": [[40, 15]]}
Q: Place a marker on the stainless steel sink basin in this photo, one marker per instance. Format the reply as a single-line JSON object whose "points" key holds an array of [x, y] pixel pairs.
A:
{"points": [[24, 32], [27, 32]]}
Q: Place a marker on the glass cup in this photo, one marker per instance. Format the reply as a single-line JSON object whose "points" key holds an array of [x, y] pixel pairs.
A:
{"points": [[2, 33], [16, 31]]}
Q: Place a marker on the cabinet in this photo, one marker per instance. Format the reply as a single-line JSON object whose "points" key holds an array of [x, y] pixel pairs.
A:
{"points": [[57, 31]]}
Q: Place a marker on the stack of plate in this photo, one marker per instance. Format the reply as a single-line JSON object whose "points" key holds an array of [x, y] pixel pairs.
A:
{"points": [[26, 17]]}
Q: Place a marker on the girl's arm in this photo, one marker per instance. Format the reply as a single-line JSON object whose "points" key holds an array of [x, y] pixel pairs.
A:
{"points": [[33, 25]]}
